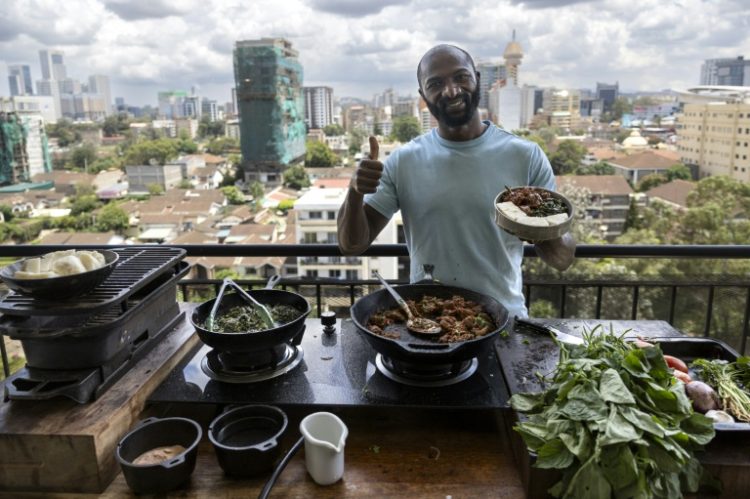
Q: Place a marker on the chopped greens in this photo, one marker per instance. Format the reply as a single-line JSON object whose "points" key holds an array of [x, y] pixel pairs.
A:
{"points": [[615, 422], [245, 319]]}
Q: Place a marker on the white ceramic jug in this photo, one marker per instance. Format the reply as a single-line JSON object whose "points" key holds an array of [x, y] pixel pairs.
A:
{"points": [[325, 435]]}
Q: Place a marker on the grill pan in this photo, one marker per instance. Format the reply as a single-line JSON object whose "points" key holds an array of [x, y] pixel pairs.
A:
{"points": [[137, 266]]}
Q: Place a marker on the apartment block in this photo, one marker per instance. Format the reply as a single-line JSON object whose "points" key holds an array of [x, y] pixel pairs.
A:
{"points": [[268, 77], [315, 222], [318, 107], [609, 194], [726, 71], [141, 176], [715, 138], [562, 108]]}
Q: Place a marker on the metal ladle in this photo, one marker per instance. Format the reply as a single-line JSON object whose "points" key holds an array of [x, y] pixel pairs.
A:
{"points": [[418, 325]]}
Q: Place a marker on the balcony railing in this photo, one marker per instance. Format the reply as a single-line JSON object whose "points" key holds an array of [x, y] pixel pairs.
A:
{"points": [[630, 293]]}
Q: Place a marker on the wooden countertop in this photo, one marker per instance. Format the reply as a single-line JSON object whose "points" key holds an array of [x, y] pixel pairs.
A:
{"points": [[405, 454]]}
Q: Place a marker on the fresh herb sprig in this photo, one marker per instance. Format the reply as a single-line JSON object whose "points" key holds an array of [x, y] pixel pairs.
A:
{"points": [[726, 378], [615, 422]]}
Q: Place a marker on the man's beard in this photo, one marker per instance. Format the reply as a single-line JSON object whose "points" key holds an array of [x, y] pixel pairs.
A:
{"points": [[440, 109]]}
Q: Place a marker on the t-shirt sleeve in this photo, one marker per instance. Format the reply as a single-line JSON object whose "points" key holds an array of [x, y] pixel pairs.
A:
{"points": [[385, 199], [540, 171]]}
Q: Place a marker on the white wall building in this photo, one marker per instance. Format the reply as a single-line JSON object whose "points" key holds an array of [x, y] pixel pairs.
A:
{"points": [[505, 105], [35, 104], [318, 106], [315, 221]]}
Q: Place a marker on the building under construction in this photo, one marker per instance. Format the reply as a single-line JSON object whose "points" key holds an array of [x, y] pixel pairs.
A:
{"points": [[270, 98], [24, 151]]}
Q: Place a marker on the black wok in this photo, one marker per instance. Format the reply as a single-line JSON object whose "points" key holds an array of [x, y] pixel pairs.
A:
{"points": [[259, 340], [417, 349]]}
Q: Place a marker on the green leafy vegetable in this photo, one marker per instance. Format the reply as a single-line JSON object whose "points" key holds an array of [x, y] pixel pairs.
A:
{"points": [[614, 422]]}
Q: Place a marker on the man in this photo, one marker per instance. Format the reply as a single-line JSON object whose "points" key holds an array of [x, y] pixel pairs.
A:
{"points": [[445, 182]]}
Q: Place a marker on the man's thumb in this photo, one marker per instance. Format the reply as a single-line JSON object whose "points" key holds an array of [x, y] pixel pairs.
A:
{"points": [[374, 148]]}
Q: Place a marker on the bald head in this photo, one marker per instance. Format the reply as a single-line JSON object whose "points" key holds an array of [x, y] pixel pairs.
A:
{"points": [[443, 50]]}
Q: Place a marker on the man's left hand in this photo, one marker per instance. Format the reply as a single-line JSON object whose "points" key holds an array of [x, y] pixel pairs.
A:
{"points": [[558, 253]]}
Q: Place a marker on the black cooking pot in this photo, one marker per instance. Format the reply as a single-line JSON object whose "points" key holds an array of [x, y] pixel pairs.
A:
{"points": [[411, 348], [251, 341], [150, 434], [246, 439]]}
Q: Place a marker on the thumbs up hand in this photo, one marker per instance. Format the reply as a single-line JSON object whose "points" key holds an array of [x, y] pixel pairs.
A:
{"points": [[367, 176]]}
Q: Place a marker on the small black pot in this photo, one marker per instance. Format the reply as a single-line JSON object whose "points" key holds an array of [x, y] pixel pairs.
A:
{"points": [[246, 439], [150, 434]]}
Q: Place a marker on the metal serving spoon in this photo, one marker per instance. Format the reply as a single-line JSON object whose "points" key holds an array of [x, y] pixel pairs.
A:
{"points": [[418, 325]]}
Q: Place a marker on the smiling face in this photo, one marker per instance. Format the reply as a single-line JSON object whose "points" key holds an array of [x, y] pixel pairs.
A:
{"points": [[449, 84]]}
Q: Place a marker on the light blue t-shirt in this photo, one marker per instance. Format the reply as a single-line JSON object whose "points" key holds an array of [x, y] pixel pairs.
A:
{"points": [[445, 191]]}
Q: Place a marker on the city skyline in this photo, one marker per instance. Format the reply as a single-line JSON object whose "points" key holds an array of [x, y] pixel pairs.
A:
{"points": [[361, 48]]}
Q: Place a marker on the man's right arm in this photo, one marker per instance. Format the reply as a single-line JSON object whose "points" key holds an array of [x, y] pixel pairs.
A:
{"points": [[358, 224]]}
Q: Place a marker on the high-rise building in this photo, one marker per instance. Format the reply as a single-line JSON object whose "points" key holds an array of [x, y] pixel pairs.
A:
{"points": [[731, 72], [713, 137], [268, 78], [24, 143], [489, 74], [191, 107], [99, 84], [607, 94], [505, 105], [562, 108], [318, 107], [19, 79], [53, 65], [210, 109], [171, 104], [513, 55]]}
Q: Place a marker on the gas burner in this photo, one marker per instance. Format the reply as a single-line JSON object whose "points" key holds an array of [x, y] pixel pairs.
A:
{"points": [[425, 375], [251, 367]]}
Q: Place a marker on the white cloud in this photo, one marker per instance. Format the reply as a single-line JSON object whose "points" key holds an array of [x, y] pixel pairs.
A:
{"points": [[361, 48]]}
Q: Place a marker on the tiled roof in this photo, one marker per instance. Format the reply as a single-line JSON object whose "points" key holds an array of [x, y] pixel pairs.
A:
{"points": [[62, 177], [338, 182], [76, 238], [612, 185], [645, 160], [675, 192]]}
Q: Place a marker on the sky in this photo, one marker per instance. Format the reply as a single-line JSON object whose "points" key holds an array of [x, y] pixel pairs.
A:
{"points": [[362, 47]]}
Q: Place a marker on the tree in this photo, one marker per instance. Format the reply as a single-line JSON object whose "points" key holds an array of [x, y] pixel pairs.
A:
{"points": [[113, 218], [187, 146], [333, 130], [286, 204], [257, 192], [233, 194], [7, 212], [650, 181], [405, 128], [356, 139], [83, 156], [619, 107], [160, 150], [319, 155], [598, 168], [84, 204], [155, 189], [184, 184], [115, 124], [679, 171], [222, 145], [568, 156], [538, 140], [65, 132], [208, 128], [296, 177]]}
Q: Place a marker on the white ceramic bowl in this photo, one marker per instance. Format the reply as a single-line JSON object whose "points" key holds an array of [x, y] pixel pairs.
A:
{"points": [[530, 232]]}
